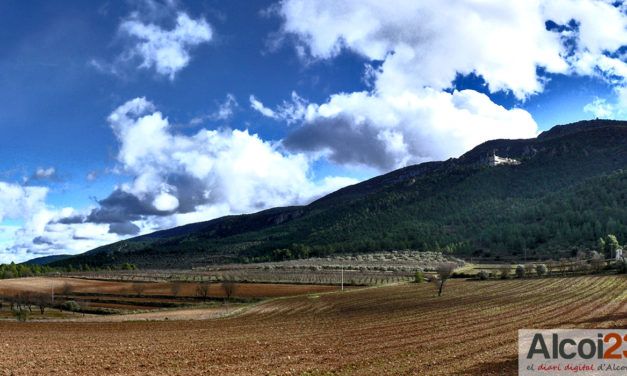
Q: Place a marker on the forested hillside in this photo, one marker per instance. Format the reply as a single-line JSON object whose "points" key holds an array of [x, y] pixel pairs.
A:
{"points": [[569, 190]]}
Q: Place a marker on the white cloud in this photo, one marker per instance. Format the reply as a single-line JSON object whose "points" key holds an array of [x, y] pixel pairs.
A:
{"points": [[168, 51], [419, 48], [427, 43], [388, 132], [600, 108], [45, 173], [212, 171], [91, 176], [289, 111], [226, 109], [17, 202], [165, 202], [31, 234], [176, 179], [256, 105]]}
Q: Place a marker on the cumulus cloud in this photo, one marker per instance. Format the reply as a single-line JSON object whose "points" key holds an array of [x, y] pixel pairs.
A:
{"points": [[33, 231], [387, 132], [17, 202], [175, 179], [179, 178], [417, 49], [428, 43], [165, 50]]}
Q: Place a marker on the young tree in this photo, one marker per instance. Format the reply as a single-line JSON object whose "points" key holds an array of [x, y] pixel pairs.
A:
{"points": [[601, 245], [505, 271], [139, 288], [175, 288], [611, 245], [202, 290], [520, 271], [483, 275], [541, 270], [42, 300], [530, 269], [445, 271], [597, 262], [27, 300], [66, 289], [229, 288], [419, 277]]}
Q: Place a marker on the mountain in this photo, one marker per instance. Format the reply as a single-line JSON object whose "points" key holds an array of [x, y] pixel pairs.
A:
{"points": [[567, 190], [45, 260]]}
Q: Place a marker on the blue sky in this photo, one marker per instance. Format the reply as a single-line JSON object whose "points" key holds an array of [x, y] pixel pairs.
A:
{"points": [[124, 117]]}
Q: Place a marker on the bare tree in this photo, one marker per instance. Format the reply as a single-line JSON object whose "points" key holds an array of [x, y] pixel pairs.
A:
{"points": [[42, 300], [202, 290], [175, 288], [27, 300], [445, 271], [66, 289], [530, 269], [505, 271], [597, 261], [139, 288], [229, 288]]}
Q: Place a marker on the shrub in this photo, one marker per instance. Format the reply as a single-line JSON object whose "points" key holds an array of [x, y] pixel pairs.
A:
{"points": [[621, 265], [520, 271], [505, 271], [419, 277], [541, 270], [529, 269], [21, 315], [71, 305], [483, 275]]}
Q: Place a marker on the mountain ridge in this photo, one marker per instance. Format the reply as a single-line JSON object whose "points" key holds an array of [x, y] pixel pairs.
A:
{"points": [[558, 159]]}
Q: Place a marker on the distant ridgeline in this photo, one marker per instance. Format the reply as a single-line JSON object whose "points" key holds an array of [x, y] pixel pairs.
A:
{"points": [[33, 269], [550, 196]]}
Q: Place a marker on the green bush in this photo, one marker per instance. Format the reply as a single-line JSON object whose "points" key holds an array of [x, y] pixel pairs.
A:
{"points": [[483, 275], [541, 270], [71, 305], [21, 315], [621, 265], [419, 277], [505, 271]]}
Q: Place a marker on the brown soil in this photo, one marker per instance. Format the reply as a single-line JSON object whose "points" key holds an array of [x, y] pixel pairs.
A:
{"points": [[403, 329], [244, 290]]}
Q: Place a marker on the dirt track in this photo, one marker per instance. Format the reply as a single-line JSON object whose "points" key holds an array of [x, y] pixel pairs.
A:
{"points": [[399, 329]]}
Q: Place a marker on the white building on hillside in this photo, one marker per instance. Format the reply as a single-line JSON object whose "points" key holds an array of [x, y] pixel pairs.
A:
{"points": [[495, 160]]}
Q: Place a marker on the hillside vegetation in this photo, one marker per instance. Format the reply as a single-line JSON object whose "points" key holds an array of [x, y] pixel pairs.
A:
{"points": [[569, 190]]}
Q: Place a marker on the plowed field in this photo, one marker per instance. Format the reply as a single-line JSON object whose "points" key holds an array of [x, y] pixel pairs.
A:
{"points": [[244, 290], [403, 329]]}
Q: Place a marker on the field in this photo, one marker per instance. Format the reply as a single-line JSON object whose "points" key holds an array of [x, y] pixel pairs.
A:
{"points": [[394, 329], [124, 297]]}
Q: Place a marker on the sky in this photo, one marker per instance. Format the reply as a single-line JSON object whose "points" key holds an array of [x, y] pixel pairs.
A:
{"points": [[120, 118]]}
